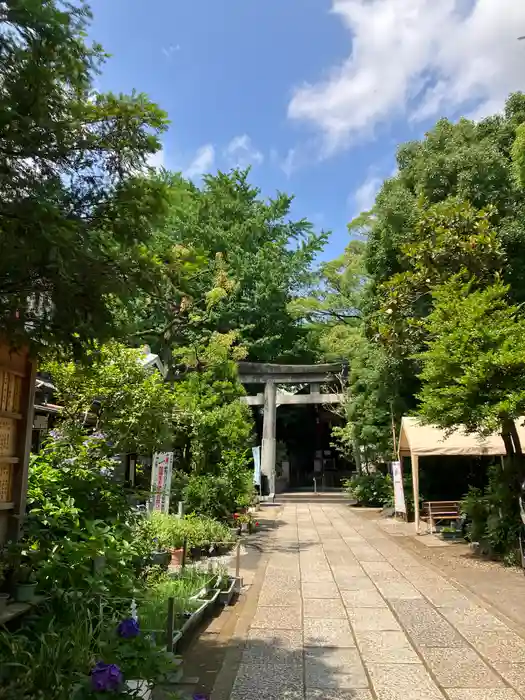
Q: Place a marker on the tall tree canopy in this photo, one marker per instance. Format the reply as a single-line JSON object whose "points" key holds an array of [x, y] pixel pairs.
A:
{"points": [[78, 205], [244, 261]]}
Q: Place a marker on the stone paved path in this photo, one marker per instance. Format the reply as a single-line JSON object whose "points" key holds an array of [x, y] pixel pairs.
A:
{"points": [[344, 613]]}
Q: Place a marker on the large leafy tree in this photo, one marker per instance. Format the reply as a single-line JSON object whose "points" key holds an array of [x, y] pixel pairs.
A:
{"points": [[456, 201], [136, 407], [245, 259], [77, 202]]}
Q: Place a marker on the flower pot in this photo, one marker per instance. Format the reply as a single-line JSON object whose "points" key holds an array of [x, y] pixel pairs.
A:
{"points": [[4, 597], [176, 556], [160, 558], [25, 592]]}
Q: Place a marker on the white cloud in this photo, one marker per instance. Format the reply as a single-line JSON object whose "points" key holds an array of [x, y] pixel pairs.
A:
{"points": [[416, 59], [168, 51], [289, 164], [202, 162], [240, 152], [365, 195]]}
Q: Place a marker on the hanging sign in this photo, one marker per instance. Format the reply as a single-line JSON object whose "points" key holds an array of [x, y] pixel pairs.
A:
{"points": [[256, 451], [161, 471], [399, 492]]}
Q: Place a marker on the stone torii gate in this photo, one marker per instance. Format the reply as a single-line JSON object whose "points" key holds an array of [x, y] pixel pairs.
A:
{"points": [[271, 375]]}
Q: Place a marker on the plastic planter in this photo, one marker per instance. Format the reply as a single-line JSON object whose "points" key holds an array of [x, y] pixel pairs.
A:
{"points": [[160, 558], [226, 597], [4, 597], [25, 592]]}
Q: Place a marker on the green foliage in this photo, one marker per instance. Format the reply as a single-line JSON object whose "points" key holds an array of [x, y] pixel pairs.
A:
{"points": [[455, 204], [473, 370], [50, 657], [77, 512], [251, 261], [371, 490], [77, 203], [367, 405], [170, 532], [493, 514], [137, 405], [333, 308], [518, 156]]}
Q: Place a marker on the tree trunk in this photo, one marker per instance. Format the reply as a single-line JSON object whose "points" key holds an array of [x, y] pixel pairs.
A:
{"points": [[514, 460]]}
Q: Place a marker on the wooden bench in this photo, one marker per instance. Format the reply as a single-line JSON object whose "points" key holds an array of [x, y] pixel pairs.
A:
{"points": [[437, 511]]}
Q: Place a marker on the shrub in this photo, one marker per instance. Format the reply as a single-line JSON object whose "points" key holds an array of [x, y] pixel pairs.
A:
{"points": [[493, 517], [373, 490], [76, 513]]}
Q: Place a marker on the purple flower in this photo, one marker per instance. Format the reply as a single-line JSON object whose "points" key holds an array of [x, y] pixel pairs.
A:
{"points": [[98, 436], [199, 696], [55, 434], [128, 628], [106, 677]]}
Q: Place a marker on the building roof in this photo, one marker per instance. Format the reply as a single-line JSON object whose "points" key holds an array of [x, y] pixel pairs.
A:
{"points": [[428, 440]]}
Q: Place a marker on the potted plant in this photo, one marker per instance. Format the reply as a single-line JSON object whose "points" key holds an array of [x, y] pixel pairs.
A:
{"points": [[25, 584], [160, 555], [451, 533]]}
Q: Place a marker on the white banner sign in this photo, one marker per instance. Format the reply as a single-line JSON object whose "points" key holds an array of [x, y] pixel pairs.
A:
{"points": [[161, 471], [399, 493], [256, 451]]}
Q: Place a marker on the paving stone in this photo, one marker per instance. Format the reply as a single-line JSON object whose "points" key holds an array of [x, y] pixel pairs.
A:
{"points": [[460, 668], [403, 682], [394, 590], [372, 619], [479, 694], [364, 553], [266, 652], [310, 575], [281, 579], [379, 567], [324, 608], [280, 597], [285, 639], [363, 599], [386, 647], [268, 617], [356, 583], [267, 682], [498, 646], [513, 674], [334, 668], [339, 660], [323, 694], [425, 625], [444, 597], [320, 590], [473, 618], [336, 633]]}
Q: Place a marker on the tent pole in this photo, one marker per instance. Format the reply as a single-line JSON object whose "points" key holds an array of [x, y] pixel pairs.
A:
{"points": [[415, 488]]}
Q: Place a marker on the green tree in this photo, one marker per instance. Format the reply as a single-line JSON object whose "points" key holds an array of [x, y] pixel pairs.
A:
{"points": [[252, 260], [136, 406], [332, 308], [78, 204], [473, 369]]}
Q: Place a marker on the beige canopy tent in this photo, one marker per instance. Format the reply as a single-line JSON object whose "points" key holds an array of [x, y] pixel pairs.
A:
{"points": [[417, 440]]}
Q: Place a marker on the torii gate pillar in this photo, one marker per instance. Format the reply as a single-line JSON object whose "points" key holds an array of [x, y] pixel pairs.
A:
{"points": [[268, 436]]}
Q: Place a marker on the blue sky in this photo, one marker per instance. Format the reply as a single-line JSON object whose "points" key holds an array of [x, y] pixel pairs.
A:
{"points": [[316, 94]]}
